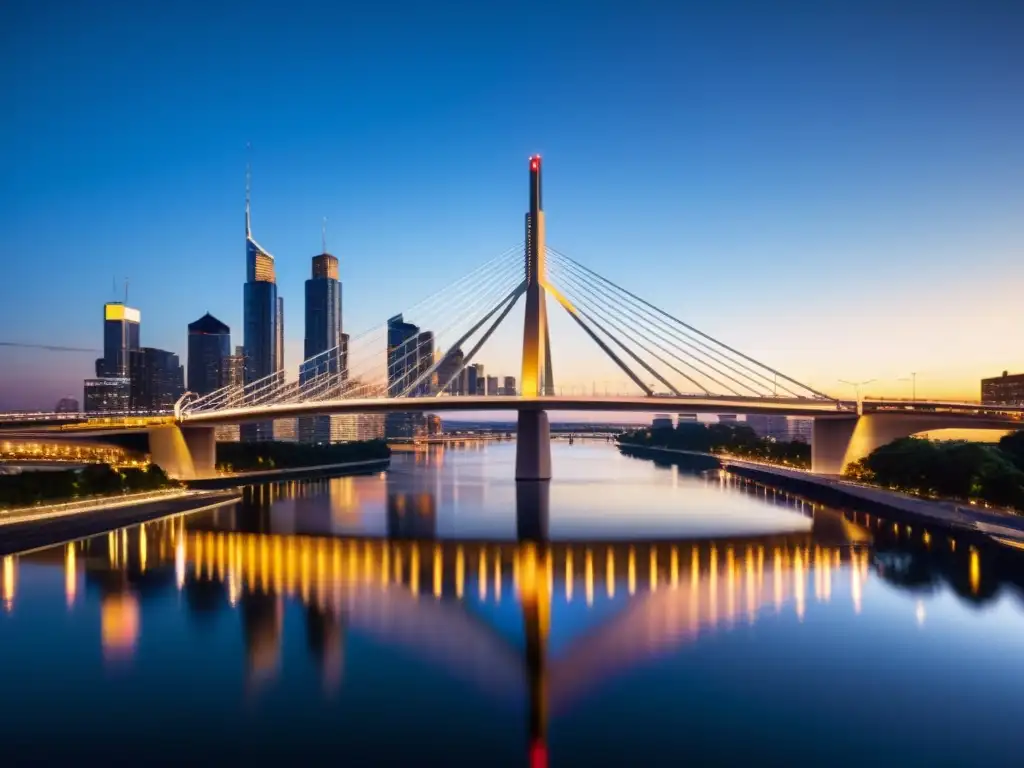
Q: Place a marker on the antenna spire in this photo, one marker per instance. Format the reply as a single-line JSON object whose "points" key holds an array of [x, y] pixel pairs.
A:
{"points": [[248, 186], [323, 236]]}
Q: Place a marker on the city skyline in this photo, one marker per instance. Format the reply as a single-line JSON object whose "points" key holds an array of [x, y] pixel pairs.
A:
{"points": [[807, 218]]}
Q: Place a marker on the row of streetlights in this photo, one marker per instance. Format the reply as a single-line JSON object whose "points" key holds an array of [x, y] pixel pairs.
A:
{"points": [[858, 384]]}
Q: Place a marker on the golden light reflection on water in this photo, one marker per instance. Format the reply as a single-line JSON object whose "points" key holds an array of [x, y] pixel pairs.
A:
{"points": [[375, 583]]}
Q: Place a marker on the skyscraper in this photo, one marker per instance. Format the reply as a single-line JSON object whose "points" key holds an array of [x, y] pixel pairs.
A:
{"points": [[262, 312], [120, 336], [157, 379], [449, 372], [279, 344], [404, 347], [324, 345], [510, 385], [209, 348]]}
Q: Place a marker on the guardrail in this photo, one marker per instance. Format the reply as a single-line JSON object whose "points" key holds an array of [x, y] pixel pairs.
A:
{"points": [[67, 507]]}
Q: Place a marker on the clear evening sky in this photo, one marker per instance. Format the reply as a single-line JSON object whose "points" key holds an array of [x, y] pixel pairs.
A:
{"points": [[835, 188]]}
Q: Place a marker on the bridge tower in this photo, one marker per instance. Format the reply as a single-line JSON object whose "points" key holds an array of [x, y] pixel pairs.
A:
{"points": [[533, 451]]}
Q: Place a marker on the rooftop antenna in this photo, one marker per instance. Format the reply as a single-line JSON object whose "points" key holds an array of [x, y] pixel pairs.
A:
{"points": [[323, 236], [113, 286], [248, 185]]}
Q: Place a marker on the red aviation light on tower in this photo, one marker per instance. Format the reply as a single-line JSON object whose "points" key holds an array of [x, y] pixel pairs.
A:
{"points": [[535, 163]]}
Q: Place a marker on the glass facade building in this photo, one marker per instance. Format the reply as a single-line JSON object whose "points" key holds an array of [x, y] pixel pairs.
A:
{"points": [[404, 347], [209, 348], [108, 394], [325, 350], [157, 379], [120, 337], [261, 314]]}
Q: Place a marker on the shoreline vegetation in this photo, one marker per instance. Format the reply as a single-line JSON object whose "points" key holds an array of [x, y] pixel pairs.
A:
{"points": [[959, 471], [94, 481], [725, 440], [269, 455]]}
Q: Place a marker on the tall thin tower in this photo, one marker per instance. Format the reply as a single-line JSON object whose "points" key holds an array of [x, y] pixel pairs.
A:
{"points": [[537, 375], [533, 441]]}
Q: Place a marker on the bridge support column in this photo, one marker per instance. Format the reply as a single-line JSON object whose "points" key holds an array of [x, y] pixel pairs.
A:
{"points": [[837, 442], [533, 498], [533, 446], [184, 453]]}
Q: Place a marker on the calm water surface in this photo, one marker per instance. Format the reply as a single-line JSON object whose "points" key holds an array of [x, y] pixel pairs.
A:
{"points": [[395, 619]]}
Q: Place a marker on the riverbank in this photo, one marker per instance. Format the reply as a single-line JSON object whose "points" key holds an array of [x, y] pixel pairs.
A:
{"points": [[836, 492], [22, 532], [343, 469]]}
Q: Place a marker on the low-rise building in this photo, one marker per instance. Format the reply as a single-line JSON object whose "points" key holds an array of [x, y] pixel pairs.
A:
{"points": [[1007, 389]]}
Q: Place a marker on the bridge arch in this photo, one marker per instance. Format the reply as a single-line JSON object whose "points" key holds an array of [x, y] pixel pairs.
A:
{"points": [[840, 441]]}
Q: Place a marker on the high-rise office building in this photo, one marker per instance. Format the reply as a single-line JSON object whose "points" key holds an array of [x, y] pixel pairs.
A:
{"points": [[233, 375], [492, 385], [324, 346], [279, 345], [425, 358], [120, 337], [510, 386], [449, 372], [108, 394], [405, 345], [469, 380], [209, 347], [157, 379], [262, 312], [481, 380]]}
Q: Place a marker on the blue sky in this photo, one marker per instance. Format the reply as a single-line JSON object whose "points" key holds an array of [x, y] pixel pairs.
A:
{"points": [[833, 187]]}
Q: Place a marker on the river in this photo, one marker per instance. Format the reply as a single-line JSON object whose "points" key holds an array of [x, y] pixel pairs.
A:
{"points": [[675, 617]]}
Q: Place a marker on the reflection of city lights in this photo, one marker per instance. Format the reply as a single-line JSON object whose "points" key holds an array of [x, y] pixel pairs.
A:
{"points": [[8, 586], [119, 624], [70, 574], [568, 576], [799, 585], [142, 547], [777, 580], [179, 562], [460, 571], [589, 568], [975, 571], [631, 571], [610, 573], [437, 571]]}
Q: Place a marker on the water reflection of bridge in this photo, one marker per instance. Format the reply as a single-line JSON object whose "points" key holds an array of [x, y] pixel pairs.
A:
{"points": [[424, 596], [409, 593]]}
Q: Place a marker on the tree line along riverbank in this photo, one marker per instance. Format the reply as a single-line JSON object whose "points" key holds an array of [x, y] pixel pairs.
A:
{"points": [[956, 470]]}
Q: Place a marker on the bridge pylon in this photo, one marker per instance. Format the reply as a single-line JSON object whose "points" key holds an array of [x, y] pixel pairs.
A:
{"points": [[533, 448]]}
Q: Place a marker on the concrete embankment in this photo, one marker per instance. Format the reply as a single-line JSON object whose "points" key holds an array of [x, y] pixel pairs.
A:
{"points": [[835, 492], [23, 535], [236, 479]]}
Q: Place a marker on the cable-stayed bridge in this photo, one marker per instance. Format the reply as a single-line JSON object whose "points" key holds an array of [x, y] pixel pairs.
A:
{"points": [[666, 364]]}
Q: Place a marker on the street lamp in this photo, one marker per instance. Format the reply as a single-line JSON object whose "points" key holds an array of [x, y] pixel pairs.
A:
{"points": [[913, 385], [856, 388]]}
